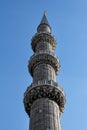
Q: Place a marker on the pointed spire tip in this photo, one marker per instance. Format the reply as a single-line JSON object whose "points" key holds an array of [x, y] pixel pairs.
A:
{"points": [[44, 13], [44, 25]]}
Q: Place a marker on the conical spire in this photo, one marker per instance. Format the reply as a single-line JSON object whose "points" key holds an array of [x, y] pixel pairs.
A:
{"points": [[44, 25], [44, 19]]}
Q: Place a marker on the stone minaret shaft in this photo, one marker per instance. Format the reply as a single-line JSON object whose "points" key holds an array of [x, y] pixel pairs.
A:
{"points": [[44, 99]]}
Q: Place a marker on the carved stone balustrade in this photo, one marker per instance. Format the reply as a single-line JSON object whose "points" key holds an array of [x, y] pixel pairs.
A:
{"points": [[43, 37], [44, 89], [45, 58]]}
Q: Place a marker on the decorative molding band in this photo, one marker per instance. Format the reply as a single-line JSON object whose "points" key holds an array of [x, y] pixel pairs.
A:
{"points": [[44, 91], [43, 37], [41, 58]]}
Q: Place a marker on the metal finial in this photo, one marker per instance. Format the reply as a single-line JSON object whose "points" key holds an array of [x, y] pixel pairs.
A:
{"points": [[44, 13]]}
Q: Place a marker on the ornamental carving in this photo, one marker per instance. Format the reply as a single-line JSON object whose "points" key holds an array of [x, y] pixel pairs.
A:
{"points": [[45, 58], [43, 37], [44, 91]]}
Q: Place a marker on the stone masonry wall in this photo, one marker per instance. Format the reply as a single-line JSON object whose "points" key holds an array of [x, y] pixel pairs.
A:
{"points": [[44, 72], [44, 115]]}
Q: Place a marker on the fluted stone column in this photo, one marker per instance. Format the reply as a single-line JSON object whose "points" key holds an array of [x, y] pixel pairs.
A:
{"points": [[44, 115], [44, 99]]}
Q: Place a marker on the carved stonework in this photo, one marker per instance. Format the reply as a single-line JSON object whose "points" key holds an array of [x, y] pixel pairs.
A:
{"points": [[43, 58], [43, 37], [52, 92]]}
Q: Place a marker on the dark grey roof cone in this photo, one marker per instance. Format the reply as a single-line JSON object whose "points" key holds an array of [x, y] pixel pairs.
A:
{"points": [[44, 25], [44, 19]]}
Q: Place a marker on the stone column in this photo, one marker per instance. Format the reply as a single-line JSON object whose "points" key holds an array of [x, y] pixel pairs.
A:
{"points": [[45, 115]]}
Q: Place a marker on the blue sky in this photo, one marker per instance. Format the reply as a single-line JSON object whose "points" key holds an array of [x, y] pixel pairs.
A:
{"points": [[18, 23]]}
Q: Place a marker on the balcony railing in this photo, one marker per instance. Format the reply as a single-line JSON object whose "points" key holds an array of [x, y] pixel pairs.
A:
{"points": [[44, 52], [45, 82]]}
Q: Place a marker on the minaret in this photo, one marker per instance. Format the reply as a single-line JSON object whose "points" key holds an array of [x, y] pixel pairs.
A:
{"points": [[44, 99]]}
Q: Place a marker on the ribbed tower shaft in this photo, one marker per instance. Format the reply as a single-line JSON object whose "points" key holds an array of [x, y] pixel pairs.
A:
{"points": [[44, 99], [45, 115]]}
